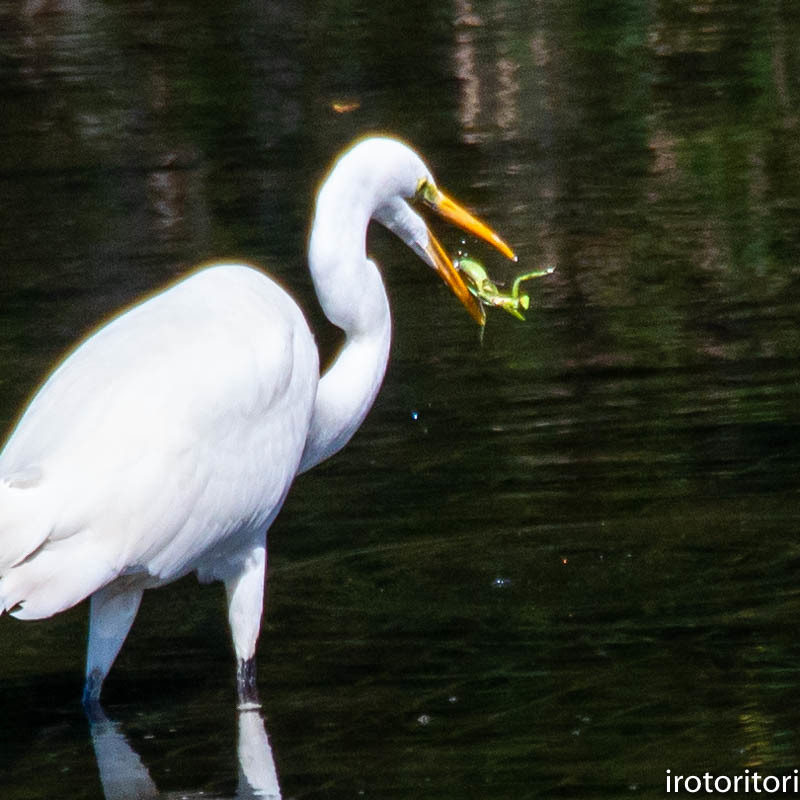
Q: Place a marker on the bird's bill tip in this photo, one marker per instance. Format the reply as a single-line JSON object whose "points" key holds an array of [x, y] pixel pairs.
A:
{"points": [[448, 209]]}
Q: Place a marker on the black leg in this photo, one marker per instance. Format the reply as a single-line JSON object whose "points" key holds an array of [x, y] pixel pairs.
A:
{"points": [[246, 684], [91, 695]]}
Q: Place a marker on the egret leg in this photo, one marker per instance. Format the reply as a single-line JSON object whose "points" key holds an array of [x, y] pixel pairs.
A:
{"points": [[246, 687], [245, 590], [112, 611]]}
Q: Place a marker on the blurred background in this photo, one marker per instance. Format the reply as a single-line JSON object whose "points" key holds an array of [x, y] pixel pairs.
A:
{"points": [[554, 563]]}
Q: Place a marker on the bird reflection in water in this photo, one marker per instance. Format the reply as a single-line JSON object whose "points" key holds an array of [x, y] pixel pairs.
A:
{"points": [[125, 777]]}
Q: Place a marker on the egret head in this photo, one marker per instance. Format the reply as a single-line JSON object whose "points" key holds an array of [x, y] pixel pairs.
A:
{"points": [[390, 182]]}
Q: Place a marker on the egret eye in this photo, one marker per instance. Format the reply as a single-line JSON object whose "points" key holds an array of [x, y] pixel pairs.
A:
{"points": [[426, 192]]}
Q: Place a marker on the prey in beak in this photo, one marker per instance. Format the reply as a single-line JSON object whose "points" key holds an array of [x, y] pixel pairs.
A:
{"points": [[430, 196]]}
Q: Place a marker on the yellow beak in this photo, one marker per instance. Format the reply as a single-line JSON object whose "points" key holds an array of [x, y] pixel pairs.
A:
{"points": [[448, 209]]}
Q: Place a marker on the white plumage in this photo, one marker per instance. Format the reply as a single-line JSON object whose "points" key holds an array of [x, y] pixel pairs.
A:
{"points": [[166, 443]]}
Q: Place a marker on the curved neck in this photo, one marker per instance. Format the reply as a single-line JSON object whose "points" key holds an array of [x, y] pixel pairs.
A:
{"points": [[351, 293]]}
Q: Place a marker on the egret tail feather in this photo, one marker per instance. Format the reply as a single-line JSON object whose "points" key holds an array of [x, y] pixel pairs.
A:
{"points": [[43, 584], [24, 524]]}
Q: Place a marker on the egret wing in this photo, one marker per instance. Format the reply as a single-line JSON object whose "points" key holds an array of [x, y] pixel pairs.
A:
{"points": [[178, 425]]}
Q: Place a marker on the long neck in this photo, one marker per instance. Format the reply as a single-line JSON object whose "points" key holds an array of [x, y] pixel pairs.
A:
{"points": [[351, 293]]}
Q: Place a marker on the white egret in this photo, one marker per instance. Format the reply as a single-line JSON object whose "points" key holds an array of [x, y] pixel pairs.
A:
{"points": [[167, 441]]}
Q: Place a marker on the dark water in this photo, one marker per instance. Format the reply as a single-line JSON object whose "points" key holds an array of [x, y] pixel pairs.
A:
{"points": [[556, 564]]}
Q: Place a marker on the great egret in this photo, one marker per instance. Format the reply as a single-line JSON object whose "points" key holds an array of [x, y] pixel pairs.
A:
{"points": [[167, 441]]}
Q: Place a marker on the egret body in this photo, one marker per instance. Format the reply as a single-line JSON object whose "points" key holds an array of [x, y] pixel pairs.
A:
{"points": [[167, 441]]}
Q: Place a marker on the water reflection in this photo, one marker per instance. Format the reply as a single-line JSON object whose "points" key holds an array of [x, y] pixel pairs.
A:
{"points": [[489, 86], [124, 776]]}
